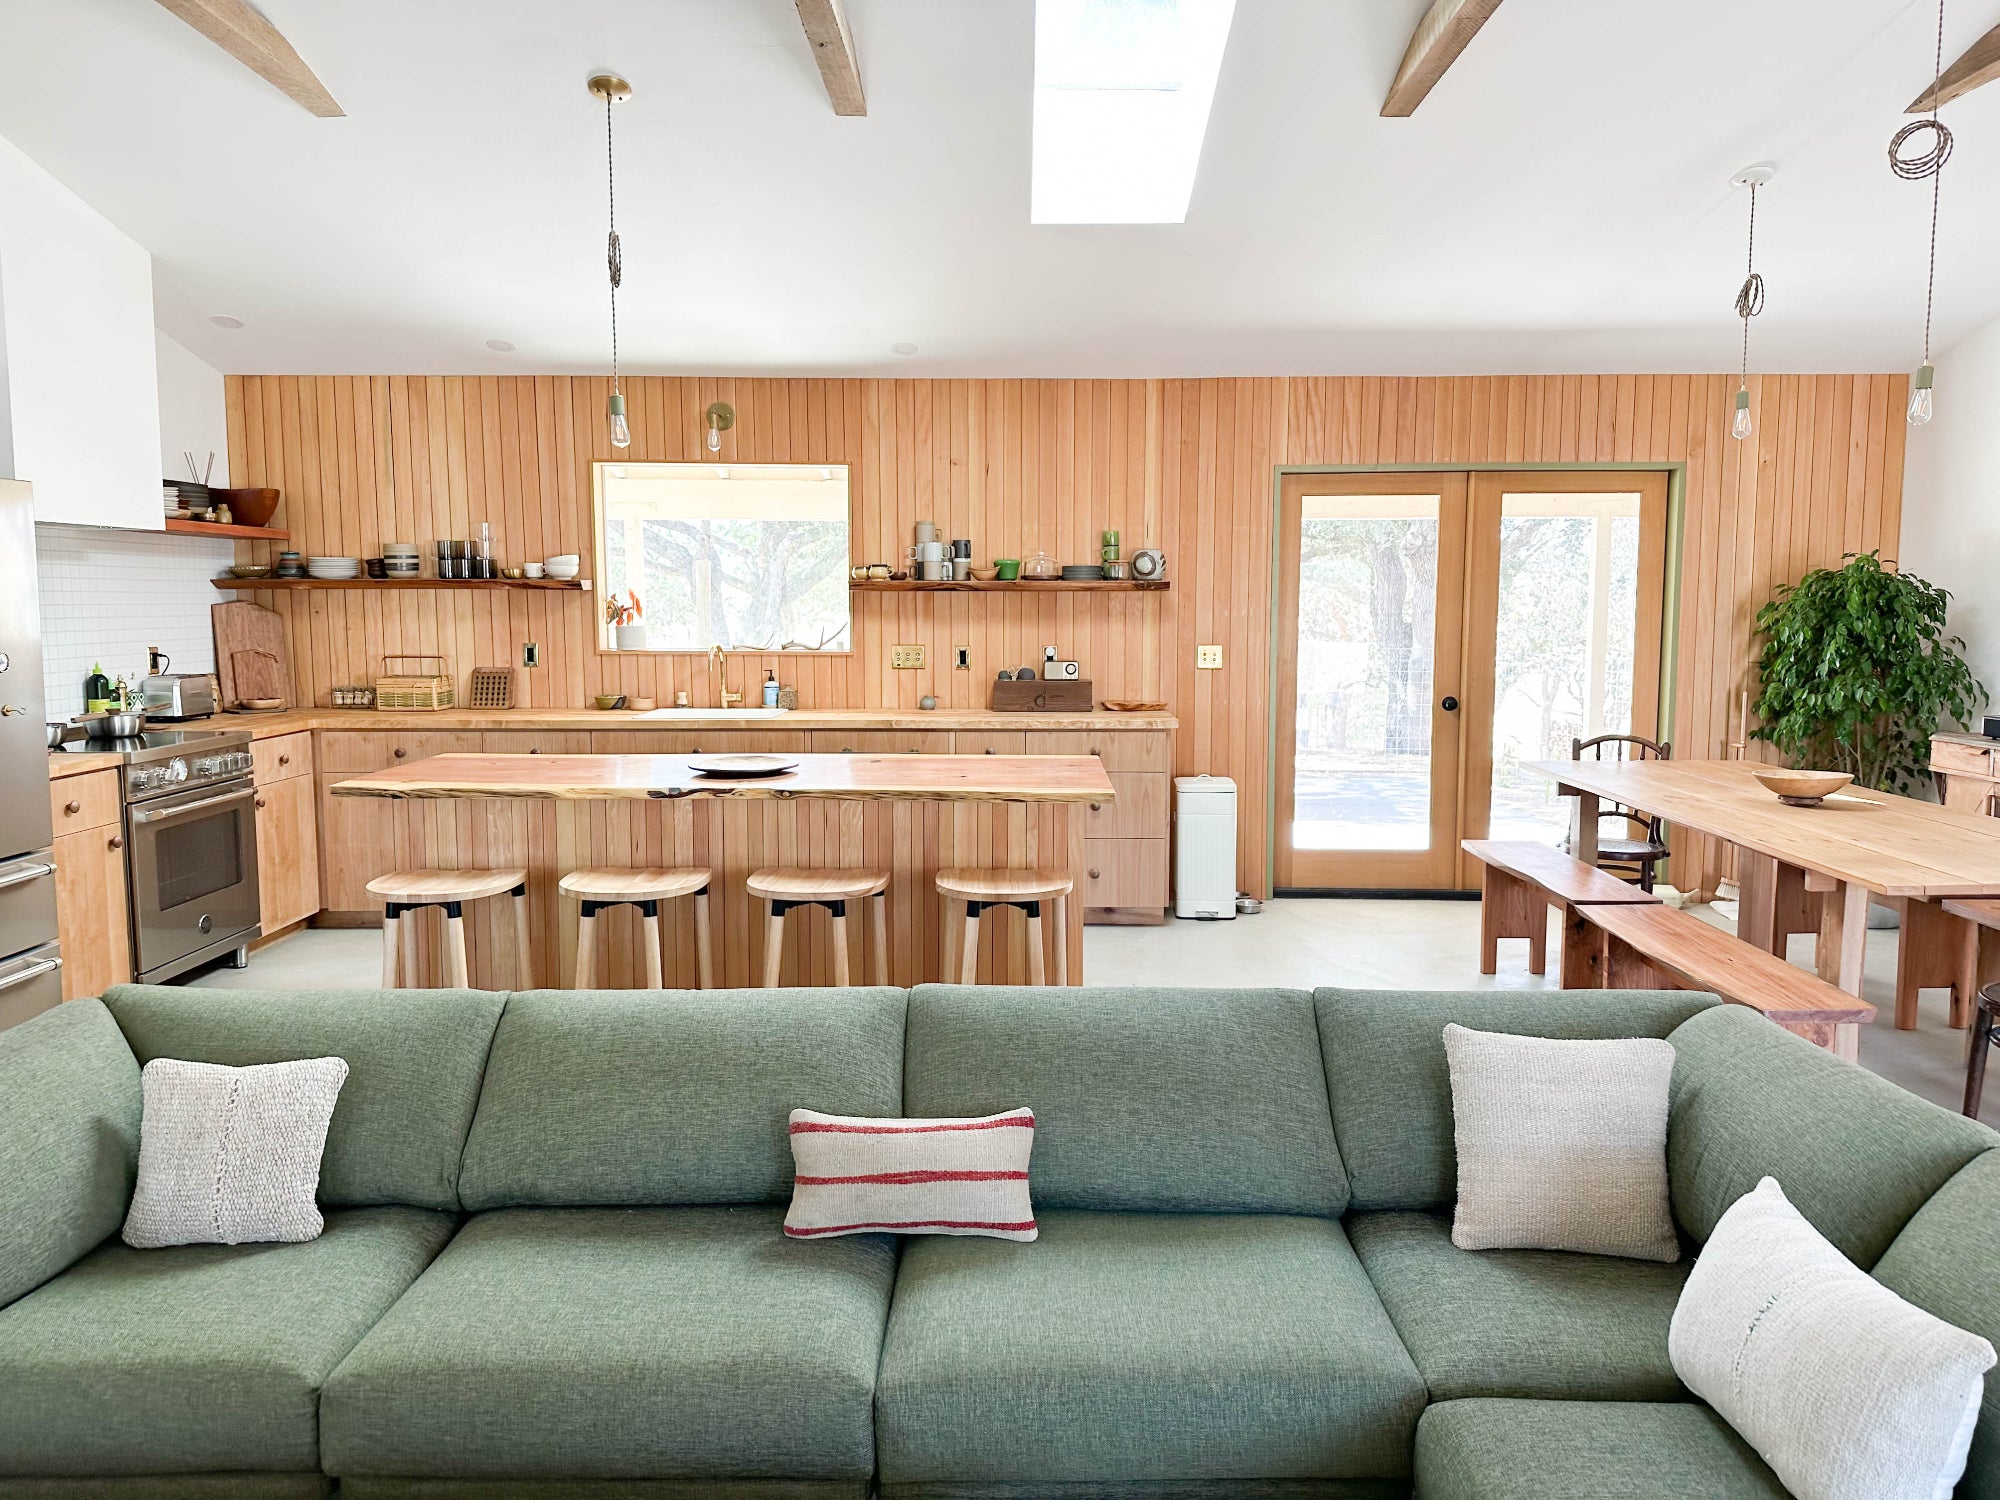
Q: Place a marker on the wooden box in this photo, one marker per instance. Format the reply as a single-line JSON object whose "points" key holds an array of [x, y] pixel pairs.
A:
{"points": [[1041, 695]]}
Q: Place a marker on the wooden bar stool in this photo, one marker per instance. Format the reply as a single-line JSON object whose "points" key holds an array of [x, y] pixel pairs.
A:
{"points": [[645, 889], [1026, 889], [1984, 1036], [406, 892], [787, 888]]}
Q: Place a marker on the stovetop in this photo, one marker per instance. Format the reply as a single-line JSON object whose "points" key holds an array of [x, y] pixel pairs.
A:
{"points": [[171, 760]]}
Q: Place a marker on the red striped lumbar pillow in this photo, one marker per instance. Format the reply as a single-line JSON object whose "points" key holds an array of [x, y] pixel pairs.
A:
{"points": [[861, 1176]]}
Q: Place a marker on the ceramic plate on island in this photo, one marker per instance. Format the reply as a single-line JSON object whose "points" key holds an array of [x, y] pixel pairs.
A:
{"points": [[742, 765]]}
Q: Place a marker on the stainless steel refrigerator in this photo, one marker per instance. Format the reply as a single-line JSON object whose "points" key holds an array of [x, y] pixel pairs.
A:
{"points": [[30, 963]]}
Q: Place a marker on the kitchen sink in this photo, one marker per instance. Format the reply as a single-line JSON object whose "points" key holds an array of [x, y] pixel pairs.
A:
{"points": [[713, 713]]}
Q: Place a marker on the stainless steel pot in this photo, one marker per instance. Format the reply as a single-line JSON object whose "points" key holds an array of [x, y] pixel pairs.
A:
{"points": [[112, 726], [57, 734]]}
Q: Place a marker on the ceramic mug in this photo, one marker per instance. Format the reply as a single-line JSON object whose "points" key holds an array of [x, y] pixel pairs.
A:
{"points": [[1009, 569], [534, 570], [610, 700]]}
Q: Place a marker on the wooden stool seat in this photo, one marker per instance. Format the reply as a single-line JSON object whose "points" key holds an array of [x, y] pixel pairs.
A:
{"points": [[645, 889], [405, 892], [1026, 889], [788, 887]]}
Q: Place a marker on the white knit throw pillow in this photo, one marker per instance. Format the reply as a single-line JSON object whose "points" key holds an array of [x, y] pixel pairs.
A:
{"points": [[855, 1175], [1846, 1390], [1562, 1145], [230, 1156]]}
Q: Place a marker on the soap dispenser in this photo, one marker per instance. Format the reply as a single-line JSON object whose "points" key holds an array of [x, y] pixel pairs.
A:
{"points": [[770, 688]]}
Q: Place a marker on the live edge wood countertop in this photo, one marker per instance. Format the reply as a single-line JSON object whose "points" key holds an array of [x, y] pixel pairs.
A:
{"points": [[592, 778]]}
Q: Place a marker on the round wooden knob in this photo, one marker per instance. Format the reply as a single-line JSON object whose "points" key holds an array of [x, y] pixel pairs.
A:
{"points": [[401, 752], [990, 750], [1095, 751], [535, 751], [1093, 874], [846, 749], [114, 842], [71, 809], [284, 760], [1097, 807], [260, 802]]}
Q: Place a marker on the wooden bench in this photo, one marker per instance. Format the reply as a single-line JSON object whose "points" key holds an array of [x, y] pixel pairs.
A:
{"points": [[1518, 884], [1660, 947]]}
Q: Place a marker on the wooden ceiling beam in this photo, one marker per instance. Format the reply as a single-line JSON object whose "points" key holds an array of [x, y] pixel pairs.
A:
{"points": [[253, 41], [1980, 65], [825, 22], [1444, 32]]}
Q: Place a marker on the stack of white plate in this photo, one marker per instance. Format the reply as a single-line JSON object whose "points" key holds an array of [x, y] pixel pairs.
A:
{"points": [[333, 567]]}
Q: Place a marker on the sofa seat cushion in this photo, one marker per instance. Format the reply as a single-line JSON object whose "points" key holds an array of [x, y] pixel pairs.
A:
{"points": [[1538, 1323], [664, 1343], [1490, 1449], [198, 1358], [1137, 1347]]}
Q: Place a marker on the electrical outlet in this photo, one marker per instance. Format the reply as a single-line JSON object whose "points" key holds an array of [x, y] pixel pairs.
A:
{"points": [[962, 658], [906, 658], [1208, 657], [531, 654]]}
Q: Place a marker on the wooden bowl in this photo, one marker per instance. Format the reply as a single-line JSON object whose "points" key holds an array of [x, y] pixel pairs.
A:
{"points": [[986, 575], [248, 507], [1133, 706], [1803, 788], [262, 705]]}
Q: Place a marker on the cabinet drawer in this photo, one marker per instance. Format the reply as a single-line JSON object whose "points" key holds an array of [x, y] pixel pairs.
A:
{"points": [[348, 752], [1138, 812], [997, 742], [87, 801], [697, 742], [282, 757], [1961, 760], [535, 742], [1124, 872], [1120, 750], [879, 742]]}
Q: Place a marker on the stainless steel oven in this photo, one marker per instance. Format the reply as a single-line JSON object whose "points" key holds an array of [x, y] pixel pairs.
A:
{"points": [[191, 855]]}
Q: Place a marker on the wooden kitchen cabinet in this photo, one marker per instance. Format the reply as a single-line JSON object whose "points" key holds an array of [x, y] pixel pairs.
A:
{"points": [[357, 842], [879, 742], [93, 923], [288, 874]]}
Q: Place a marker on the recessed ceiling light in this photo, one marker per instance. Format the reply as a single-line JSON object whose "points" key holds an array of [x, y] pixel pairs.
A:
{"points": [[905, 347], [500, 346], [223, 320]]}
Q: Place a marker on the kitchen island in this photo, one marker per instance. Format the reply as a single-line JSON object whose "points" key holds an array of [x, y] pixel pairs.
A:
{"points": [[912, 815]]}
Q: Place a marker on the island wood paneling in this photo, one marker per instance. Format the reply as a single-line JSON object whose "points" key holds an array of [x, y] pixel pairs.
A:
{"points": [[1019, 464]]}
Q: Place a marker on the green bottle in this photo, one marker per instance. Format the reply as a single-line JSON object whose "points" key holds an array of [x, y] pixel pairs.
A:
{"points": [[96, 691]]}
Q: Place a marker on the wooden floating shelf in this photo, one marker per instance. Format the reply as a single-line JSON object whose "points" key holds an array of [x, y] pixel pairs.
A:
{"points": [[211, 528], [574, 585], [1001, 586]]}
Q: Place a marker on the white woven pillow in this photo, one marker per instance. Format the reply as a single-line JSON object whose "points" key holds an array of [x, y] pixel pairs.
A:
{"points": [[866, 1176], [230, 1156], [1846, 1390], [1562, 1145]]}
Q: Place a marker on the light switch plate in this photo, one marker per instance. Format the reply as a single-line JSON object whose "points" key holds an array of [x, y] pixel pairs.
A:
{"points": [[962, 658], [1208, 656], [531, 654], [906, 658]]}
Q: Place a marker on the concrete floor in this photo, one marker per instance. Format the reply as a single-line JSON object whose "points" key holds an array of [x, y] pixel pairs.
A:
{"points": [[1302, 943]]}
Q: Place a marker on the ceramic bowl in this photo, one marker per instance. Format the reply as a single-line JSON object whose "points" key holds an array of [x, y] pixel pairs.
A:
{"points": [[250, 570], [563, 571], [564, 559], [1803, 788], [986, 575]]}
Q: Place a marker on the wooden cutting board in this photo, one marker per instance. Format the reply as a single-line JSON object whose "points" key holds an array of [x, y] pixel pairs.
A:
{"points": [[250, 654]]}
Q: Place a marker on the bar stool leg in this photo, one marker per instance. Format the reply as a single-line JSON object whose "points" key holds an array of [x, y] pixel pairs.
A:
{"points": [[1975, 1065], [704, 957], [1062, 940], [389, 939], [880, 902], [649, 916], [454, 935], [524, 974], [774, 946], [968, 963], [840, 971], [1036, 976], [412, 959], [586, 950], [945, 948]]}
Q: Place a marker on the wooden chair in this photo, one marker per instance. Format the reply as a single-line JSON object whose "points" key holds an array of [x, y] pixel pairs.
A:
{"points": [[645, 889], [406, 892], [1644, 846], [788, 889], [1025, 890]]}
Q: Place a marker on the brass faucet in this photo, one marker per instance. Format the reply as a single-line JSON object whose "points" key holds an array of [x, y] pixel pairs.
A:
{"points": [[724, 698]]}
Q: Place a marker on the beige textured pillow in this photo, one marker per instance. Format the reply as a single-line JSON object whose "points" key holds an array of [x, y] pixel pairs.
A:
{"points": [[1847, 1391], [230, 1156], [1562, 1145]]}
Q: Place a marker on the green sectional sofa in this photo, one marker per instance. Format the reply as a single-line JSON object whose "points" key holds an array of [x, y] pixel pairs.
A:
{"points": [[552, 1265]]}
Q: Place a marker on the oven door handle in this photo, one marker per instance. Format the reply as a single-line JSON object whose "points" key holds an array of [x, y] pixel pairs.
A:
{"points": [[26, 873], [33, 971], [160, 815]]}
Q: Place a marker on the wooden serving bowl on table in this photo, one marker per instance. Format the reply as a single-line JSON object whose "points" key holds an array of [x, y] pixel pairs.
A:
{"points": [[1803, 788]]}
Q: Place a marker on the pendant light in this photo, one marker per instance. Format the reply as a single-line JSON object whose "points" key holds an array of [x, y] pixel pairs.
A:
{"points": [[611, 89], [1750, 296], [1933, 151]]}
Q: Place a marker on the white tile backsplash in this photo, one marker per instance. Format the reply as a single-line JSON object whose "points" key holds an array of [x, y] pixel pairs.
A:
{"points": [[107, 595]]}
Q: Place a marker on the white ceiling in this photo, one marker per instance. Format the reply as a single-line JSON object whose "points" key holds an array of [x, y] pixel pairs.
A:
{"points": [[1560, 203]]}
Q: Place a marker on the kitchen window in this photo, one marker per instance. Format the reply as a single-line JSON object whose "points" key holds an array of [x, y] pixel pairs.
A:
{"points": [[749, 557]]}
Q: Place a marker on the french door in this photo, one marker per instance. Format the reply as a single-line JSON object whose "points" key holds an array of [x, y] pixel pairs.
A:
{"points": [[1436, 632]]}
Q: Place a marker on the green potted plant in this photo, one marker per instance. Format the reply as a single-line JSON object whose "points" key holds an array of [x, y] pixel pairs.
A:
{"points": [[1857, 672]]}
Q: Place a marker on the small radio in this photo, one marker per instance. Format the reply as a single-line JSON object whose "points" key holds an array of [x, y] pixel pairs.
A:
{"points": [[1058, 671]]}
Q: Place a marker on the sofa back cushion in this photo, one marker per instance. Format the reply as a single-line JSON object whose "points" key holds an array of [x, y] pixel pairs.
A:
{"points": [[1855, 1154], [414, 1059], [1944, 1262], [1202, 1101], [618, 1097], [1391, 1088], [69, 1140]]}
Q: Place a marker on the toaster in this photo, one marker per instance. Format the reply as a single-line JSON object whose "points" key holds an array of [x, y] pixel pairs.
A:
{"points": [[178, 696]]}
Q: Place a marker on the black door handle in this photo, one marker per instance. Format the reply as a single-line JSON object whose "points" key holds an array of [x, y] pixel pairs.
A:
{"points": [[1450, 704]]}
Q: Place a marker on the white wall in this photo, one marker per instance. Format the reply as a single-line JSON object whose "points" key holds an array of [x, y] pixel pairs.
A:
{"points": [[193, 414], [1951, 497]]}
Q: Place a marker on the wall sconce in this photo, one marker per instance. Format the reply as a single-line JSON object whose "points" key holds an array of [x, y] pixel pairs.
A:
{"points": [[720, 416]]}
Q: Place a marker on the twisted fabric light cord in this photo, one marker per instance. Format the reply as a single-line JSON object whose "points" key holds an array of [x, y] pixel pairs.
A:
{"points": [[614, 258], [1750, 297], [1929, 164]]}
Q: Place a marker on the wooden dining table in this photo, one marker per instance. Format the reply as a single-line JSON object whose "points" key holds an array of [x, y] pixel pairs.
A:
{"points": [[1854, 846]]}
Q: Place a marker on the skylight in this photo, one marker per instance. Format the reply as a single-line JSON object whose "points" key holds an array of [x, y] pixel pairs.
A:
{"points": [[1122, 93]]}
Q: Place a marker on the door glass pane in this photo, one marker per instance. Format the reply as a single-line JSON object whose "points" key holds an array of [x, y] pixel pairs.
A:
{"points": [[1367, 630], [1562, 670]]}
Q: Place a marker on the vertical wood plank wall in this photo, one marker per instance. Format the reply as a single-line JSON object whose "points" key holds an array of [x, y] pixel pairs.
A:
{"points": [[1017, 465]]}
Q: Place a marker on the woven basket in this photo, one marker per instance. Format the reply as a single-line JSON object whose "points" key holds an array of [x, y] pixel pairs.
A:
{"points": [[428, 690]]}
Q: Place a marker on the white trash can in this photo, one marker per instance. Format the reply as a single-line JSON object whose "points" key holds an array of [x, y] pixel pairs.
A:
{"points": [[1205, 848]]}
